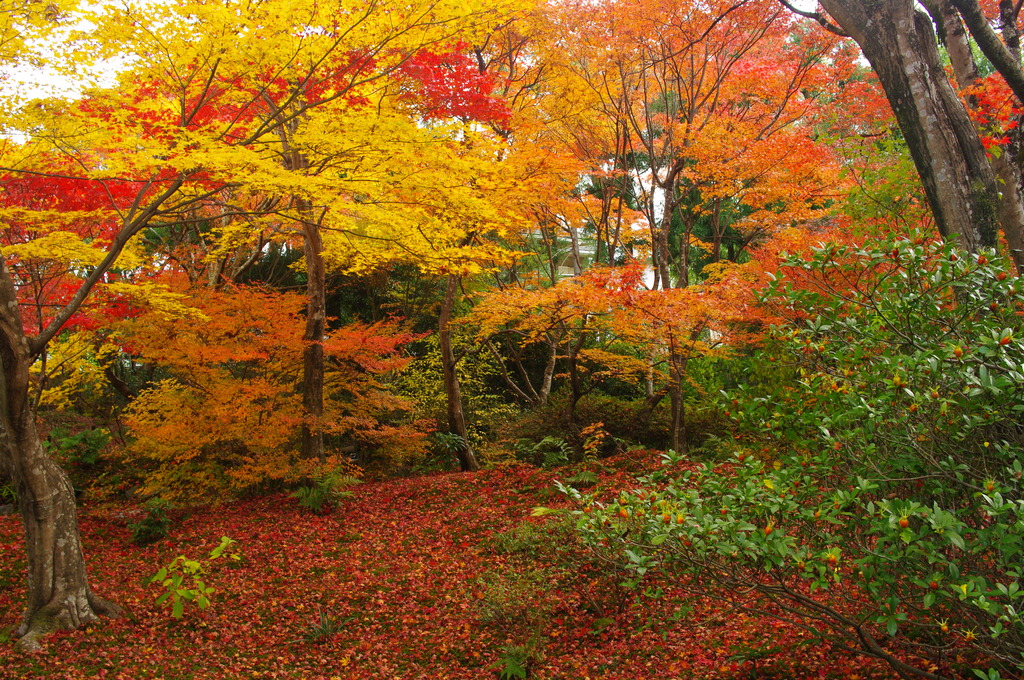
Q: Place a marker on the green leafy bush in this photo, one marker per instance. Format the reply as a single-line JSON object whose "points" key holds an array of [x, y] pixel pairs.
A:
{"points": [[885, 481], [518, 603], [325, 492], [182, 580], [79, 448], [155, 525]]}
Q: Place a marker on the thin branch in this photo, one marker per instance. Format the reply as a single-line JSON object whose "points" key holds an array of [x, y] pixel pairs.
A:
{"points": [[816, 16]]}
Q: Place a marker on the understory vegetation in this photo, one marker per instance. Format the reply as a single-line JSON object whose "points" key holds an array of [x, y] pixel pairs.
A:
{"points": [[444, 575]]}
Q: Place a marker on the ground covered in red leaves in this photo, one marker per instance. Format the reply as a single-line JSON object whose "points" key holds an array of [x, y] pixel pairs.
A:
{"points": [[442, 576]]}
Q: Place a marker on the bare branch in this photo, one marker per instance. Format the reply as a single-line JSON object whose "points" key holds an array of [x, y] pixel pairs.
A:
{"points": [[816, 16]]}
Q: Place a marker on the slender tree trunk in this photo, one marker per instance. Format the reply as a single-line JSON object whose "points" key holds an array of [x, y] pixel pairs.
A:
{"points": [[313, 339], [575, 385], [900, 44], [453, 391], [59, 595], [577, 260], [665, 227], [677, 369], [549, 372]]}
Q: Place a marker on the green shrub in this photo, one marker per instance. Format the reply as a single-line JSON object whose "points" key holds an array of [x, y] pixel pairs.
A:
{"points": [[324, 493], [888, 473], [155, 525], [517, 602], [80, 448]]}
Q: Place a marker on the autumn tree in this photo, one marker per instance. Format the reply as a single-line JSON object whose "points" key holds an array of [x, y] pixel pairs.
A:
{"points": [[712, 120], [228, 417], [606, 323], [208, 120], [45, 279]]}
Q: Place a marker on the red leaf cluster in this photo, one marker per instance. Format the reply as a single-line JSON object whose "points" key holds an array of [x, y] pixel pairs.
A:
{"points": [[451, 85]]}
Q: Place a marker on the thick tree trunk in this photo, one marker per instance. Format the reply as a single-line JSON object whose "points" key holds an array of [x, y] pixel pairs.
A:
{"points": [[59, 596], [1011, 196], [313, 339], [900, 44], [453, 391]]}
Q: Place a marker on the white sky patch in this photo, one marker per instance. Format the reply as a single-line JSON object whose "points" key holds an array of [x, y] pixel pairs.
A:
{"points": [[39, 74]]}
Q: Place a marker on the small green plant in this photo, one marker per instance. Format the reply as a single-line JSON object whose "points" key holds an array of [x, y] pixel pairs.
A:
{"points": [[324, 494], [82, 448], [583, 479], [514, 662], [8, 496], [154, 525], [324, 627], [548, 452], [182, 580]]}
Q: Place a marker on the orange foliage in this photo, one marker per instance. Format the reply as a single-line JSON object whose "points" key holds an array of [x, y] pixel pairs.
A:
{"points": [[227, 417], [722, 102], [626, 322]]}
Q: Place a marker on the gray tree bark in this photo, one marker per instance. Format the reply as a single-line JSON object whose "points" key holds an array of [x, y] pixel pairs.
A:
{"points": [[313, 339], [59, 595], [1011, 183], [899, 43]]}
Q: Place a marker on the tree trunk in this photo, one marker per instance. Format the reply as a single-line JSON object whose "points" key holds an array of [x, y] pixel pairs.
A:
{"points": [[574, 242], [549, 372], [575, 386], [453, 391], [899, 43], [1011, 196], [677, 369], [59, 595], [313, 340]]}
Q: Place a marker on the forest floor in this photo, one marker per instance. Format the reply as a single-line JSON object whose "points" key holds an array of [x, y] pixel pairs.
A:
{"points": [[438, 576]]}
